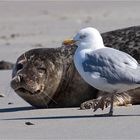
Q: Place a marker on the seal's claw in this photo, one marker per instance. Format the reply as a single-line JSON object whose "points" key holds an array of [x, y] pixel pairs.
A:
{"points": [[89, 104], [86, 105], [102, 103], [95, 104]]}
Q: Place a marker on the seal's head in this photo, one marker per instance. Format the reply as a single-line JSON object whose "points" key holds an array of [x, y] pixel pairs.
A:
{"points": [[37, 73]]}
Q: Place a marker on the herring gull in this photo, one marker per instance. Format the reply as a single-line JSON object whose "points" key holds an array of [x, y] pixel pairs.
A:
{"points": [[104, 68]]}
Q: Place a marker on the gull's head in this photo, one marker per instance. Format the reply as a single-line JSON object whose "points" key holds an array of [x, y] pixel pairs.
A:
{"points": [[87, 38]]}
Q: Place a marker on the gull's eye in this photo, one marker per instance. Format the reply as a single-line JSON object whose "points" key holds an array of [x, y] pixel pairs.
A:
{"points": [[82, 36]]}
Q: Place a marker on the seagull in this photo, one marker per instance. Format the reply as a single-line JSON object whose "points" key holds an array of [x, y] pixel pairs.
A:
{"points": [[104, 68]]}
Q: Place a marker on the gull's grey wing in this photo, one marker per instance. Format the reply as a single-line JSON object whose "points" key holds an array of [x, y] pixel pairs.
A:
{"points": [[113, 65]]}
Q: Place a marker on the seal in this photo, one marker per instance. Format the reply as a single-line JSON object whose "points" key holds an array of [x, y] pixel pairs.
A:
{"points": [[4, 65], [46, 77]]}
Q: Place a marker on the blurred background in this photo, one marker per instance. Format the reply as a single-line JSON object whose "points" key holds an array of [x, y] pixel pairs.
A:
{"points": [[31, 24]]}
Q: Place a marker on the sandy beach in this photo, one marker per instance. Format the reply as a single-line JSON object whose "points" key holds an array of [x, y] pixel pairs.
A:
{"points": [[26, 25]]}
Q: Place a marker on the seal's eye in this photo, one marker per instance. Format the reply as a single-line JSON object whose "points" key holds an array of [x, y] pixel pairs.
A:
{"points": [[19, 66], [41, 69]]}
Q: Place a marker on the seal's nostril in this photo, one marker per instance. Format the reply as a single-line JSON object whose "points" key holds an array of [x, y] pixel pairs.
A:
{"points": [[37, 92]]}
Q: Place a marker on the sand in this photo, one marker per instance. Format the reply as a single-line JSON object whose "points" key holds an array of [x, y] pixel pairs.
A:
{"points": [[27, 25]]}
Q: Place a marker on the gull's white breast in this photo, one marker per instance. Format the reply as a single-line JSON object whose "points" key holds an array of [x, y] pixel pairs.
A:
{"points": [[94, 78]]}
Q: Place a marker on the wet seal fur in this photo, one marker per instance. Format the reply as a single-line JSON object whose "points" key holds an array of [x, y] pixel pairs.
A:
{"points": [[47, 77]]}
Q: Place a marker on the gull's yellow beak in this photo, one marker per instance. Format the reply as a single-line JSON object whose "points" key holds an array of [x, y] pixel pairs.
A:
{"points": [[69, 42]]}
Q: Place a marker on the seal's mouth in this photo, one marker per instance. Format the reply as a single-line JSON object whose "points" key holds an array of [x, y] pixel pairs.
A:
{"points": [[23, 90]]}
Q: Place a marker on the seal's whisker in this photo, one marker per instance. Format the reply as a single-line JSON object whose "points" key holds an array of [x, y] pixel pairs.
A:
{"points": [[51, 99], [39, 96]]}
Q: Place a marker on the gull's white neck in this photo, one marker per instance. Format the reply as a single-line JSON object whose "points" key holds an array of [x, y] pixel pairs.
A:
{"points": [[87, 45], [85, 48]]}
